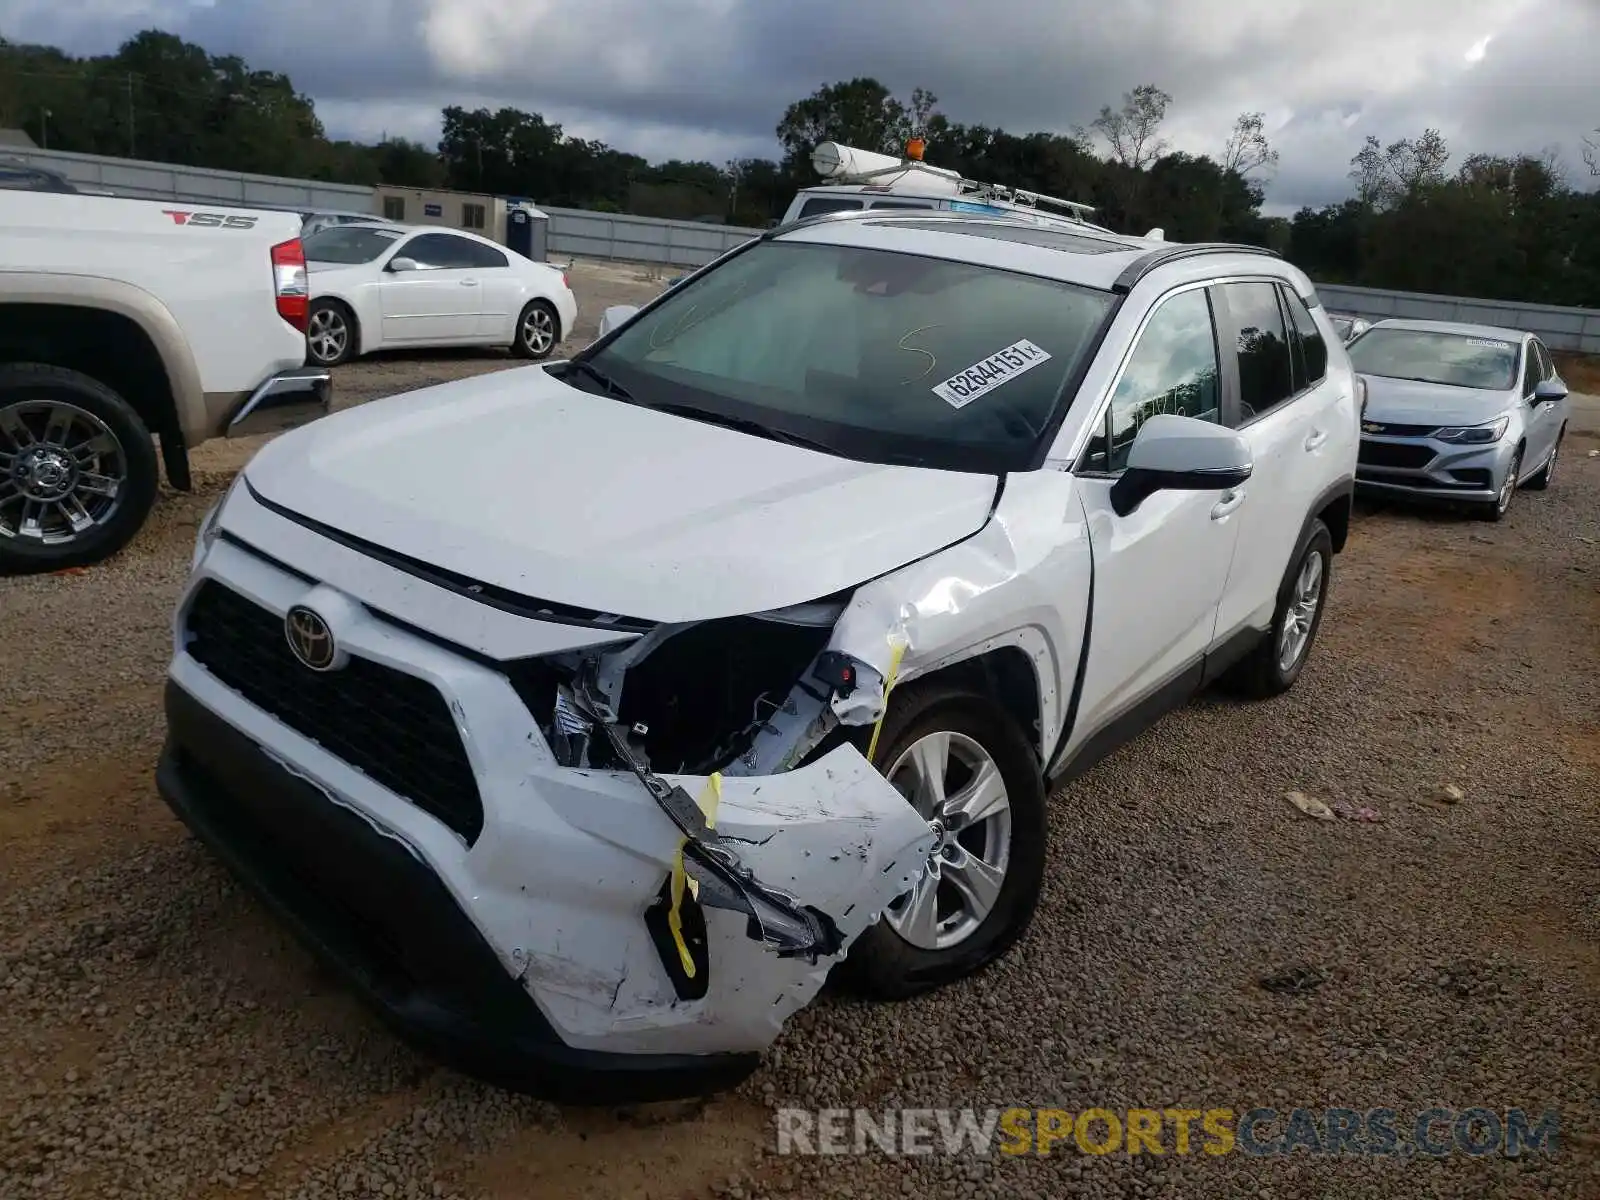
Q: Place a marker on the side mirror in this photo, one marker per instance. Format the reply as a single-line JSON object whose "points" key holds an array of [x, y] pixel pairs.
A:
{"points": [[1183, 454], [616, 315], [402, 264], [1548, 391]]}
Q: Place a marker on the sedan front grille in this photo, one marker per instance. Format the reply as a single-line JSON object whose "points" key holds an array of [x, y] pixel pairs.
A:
{"points": [[393, 727], [1395, 454], [1383, 430]]}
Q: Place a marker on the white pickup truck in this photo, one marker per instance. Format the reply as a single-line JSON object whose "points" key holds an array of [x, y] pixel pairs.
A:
{"points": [[126, 325]]}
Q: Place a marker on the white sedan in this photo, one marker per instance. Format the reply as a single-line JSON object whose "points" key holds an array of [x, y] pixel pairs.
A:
{"points": [[385, 287]]}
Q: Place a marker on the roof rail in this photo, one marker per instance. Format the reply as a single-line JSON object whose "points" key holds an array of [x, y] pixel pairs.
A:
{"points": [[847, 165], [1145, 263]]}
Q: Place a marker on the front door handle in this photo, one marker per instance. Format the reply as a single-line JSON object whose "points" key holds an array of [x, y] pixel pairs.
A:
{"points": [[1316, 439], [469, 283], [1231, 499]]}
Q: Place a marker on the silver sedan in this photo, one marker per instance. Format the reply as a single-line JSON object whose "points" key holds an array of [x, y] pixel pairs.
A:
{"points": [[1465, 413]]}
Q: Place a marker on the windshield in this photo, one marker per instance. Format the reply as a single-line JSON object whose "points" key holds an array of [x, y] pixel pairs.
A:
{"points": [[1430, 357], [869, 354], [347, 244]]}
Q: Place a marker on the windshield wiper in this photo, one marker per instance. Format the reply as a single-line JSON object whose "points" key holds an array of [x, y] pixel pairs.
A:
{"points": [[742, 424], [600, 377]]}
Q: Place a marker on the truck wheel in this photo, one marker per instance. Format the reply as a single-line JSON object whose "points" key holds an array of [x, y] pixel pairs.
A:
{"points": [[538, 330], [1276, 662], [78, 471], [966, 767], [330, 333]]}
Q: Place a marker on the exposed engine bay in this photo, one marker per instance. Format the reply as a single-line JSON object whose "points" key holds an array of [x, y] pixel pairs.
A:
{"points": [[740, 696]]}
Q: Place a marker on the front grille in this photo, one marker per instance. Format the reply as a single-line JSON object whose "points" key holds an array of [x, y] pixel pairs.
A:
{"points": [[1386, 430], [1395, 454], [393, 727]]}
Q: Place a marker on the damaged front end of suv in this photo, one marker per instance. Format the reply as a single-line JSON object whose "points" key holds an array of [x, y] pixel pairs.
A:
{"points": [[742, 697], [646, 852]]}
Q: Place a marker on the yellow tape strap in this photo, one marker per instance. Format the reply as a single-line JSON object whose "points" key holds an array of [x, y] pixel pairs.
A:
{"points": [[888, 683], [709, 801]]}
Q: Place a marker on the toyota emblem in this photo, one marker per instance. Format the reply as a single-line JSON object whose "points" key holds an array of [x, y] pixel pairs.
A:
{"points": [[310, 638]]}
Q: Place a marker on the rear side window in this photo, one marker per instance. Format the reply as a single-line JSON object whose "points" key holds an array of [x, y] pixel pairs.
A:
{"points": [[1310, 351], [487, 256], [897, 204], [818, 205], [1266, 373]]}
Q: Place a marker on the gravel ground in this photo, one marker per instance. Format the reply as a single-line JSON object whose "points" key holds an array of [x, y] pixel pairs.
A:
{"points": [[161, 1036]]}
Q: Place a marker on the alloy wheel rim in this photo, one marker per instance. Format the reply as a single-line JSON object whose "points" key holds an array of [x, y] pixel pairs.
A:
{"points": [[955, 784], [538, 333], [327, 335], [1298, 618], [1509, 487], [62, 472]]}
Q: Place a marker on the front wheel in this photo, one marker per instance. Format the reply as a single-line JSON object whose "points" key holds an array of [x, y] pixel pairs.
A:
{"points": [[1541, 481], [1277, 660], [330, 333], [1497, 508], [78, 470], [538, 330], [970, 772]]}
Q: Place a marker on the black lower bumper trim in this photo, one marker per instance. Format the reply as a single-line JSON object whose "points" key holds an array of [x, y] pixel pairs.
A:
{"points": [[387, 925]]}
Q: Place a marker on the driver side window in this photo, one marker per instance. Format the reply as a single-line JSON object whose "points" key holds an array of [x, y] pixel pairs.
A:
{"points": [[1173, 369], [1531, 373]]}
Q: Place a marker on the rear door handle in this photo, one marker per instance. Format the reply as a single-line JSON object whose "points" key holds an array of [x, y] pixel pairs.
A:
{"points": [[1316, 439], [1231, 499], [469, 283]]}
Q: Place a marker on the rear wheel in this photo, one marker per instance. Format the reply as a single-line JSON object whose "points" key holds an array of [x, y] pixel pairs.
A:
{"points": [[1547, 472], [1277, 660], [78, 470], [538, 330], [969, 771]]}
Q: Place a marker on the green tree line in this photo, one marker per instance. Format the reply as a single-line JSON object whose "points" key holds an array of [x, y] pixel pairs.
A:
{"points": [[1498, 227]]}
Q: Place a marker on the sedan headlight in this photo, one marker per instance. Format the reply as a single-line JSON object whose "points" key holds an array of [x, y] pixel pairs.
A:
{"points": [[1474, 435]]}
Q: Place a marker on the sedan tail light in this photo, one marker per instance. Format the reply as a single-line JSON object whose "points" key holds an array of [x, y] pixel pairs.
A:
{"points": [[290, 284]]}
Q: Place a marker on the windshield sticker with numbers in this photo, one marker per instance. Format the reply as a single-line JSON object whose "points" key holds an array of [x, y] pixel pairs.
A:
{"points": [[1491, 343], [983, 377]]}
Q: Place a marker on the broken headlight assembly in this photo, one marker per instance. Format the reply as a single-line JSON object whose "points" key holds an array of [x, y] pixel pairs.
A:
{"points": [[746, 695]]}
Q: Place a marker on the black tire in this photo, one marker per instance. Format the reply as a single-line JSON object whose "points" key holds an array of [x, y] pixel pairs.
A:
{"points": [[1262, 673], [1541, 481], [27, 393], [538, 331], [1496, 509], [332, 336], [884, 965]]}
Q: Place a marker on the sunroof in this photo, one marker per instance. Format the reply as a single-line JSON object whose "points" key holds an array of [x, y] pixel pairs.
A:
{"points": [[1044, 236]]}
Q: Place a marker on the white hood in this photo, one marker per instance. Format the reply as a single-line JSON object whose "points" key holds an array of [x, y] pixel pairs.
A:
{"points": [[516, 480]]}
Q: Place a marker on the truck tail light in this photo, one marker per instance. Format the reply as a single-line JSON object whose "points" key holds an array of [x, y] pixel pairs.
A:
{"points": [[290, 283]]}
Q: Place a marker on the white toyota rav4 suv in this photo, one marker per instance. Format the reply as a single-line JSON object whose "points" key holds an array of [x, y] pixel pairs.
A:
{"points": [[587, 714]]}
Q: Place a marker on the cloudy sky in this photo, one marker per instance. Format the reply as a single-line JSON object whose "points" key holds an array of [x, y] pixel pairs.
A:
{"points": [[710, 78]]}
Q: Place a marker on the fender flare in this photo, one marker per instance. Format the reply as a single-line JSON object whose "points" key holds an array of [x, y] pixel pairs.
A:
{"points": [[145, 310]]}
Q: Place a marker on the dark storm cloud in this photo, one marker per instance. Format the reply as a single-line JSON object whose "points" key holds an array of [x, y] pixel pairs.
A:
{"points": [[710, 78]]}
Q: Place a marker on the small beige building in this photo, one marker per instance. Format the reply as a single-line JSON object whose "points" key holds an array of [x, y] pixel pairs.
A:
{"points": [[485, 215]]}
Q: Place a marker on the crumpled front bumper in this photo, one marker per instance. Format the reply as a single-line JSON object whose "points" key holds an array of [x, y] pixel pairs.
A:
{"points": [[525, 956]]}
